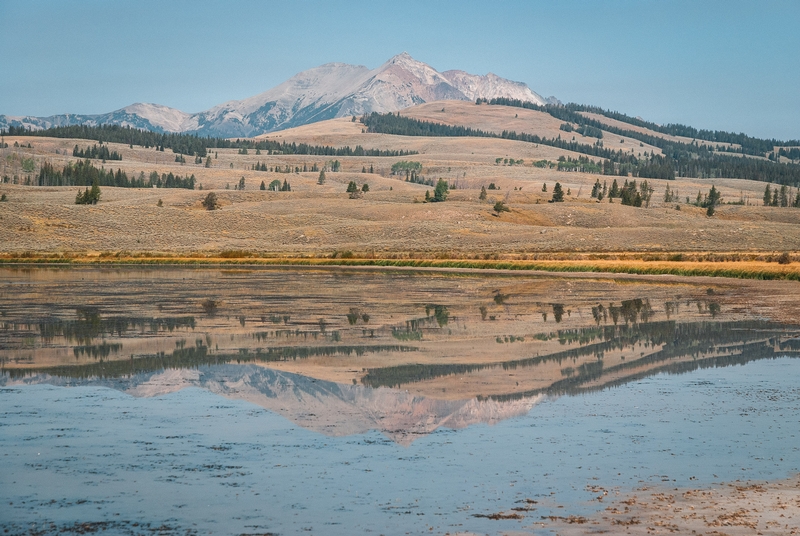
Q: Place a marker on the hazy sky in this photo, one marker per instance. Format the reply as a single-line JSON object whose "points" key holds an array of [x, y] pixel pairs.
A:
{"points": [[712, 64]]}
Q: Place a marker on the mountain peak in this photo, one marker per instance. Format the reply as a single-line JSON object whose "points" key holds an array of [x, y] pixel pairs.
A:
{"points": [[405, 61], [324, 92], [403, 56]]}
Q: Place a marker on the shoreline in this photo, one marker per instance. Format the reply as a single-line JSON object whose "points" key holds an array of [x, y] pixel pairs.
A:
{"points": [[734, 508], [756, 270]]}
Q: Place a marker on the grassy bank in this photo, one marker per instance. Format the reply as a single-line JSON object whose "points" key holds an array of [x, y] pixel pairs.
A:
{"points": [[623, 264]]}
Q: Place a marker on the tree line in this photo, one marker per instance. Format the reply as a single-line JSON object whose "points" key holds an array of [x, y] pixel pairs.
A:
{"points": [[193, 145], [686, 159], [83, 173], [749, 145], [391, 123], [781, 197], [101, 153], [179, 143], [274, 147]]}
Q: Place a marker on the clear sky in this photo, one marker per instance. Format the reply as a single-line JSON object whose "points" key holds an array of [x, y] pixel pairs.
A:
{"points": [[729, 65]]}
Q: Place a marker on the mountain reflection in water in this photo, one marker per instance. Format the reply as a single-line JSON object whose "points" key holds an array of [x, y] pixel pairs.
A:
{"points": [[326, 407], [341, 409]]}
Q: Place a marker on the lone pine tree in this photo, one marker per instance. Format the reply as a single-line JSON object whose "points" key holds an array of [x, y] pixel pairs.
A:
{"points": [[441, 191], [558, 194]]}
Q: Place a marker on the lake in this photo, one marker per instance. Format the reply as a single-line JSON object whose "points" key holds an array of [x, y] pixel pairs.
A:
{"points": [[239, 400]]}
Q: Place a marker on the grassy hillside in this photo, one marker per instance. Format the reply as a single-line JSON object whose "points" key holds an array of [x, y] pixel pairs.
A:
{"points": [[391, 220]]}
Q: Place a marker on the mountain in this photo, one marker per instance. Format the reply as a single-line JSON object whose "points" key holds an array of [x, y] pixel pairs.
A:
{"points": [[325, 407], [324, 92]]}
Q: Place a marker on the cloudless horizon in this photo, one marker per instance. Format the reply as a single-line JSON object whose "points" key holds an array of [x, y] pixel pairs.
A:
{"points": [[720, 65]]}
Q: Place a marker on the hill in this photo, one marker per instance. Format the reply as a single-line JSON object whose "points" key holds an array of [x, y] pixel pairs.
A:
{"points": [[391, 219]]}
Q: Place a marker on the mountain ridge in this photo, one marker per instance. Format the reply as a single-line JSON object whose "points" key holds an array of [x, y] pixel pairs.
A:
{"points": [[325, 92]]}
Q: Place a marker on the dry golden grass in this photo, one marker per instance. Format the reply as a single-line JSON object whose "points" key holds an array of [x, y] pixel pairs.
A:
{"points": [[390, 222], [627, 126], [624, 264], [496, 119]]}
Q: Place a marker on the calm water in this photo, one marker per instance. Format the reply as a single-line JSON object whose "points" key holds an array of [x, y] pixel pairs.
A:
{"points": [[271, 401]]}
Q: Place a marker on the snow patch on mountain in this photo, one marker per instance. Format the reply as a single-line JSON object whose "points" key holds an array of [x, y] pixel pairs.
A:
{"points": [[163, 117], [324, 92], [492, 86]]}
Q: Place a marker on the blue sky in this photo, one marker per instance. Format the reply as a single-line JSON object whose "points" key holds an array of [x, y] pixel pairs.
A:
{"points": [[729, 65]]}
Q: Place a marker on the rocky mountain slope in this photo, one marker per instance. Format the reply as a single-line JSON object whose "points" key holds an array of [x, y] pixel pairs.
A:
{"points": [[324, 92]]}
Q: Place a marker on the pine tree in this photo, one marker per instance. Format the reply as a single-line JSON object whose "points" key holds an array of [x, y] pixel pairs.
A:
{"points": [[712, 200], [614, 192], [441, 191], [767, 196], [94, 193], [596, 188], [482, 196], [263, 186], [321, 179], [558, 194], [89, 197]]}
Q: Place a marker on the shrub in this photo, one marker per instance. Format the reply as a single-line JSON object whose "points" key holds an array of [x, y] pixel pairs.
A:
{"points": [[210, 202], [501, 207], [235, 254], [441, 191], [784, 258]]}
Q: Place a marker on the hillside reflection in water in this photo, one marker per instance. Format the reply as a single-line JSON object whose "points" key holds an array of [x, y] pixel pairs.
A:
{"points": [[264, 401], [401, 352]]}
